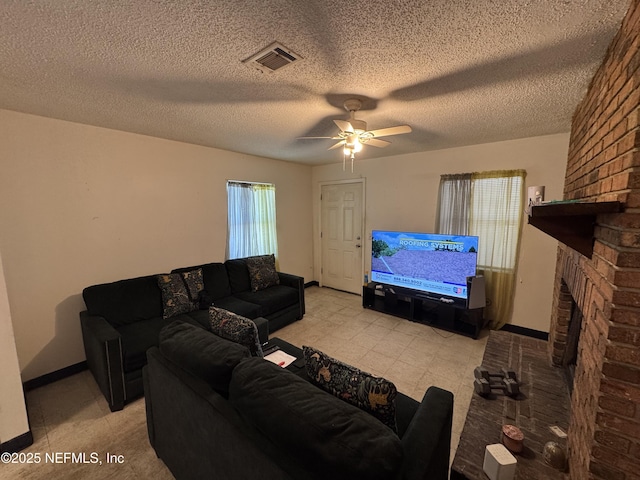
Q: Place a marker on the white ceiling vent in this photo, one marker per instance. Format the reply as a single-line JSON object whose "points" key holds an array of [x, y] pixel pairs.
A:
{"points": [[272, 58]]}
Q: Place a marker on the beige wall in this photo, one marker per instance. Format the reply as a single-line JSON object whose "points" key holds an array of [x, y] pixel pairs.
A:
{"points": [[81, 205], [401, 194], [13, 412]]}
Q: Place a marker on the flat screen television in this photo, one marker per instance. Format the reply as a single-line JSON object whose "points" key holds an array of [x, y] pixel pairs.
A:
{"points": [[432, 263]]}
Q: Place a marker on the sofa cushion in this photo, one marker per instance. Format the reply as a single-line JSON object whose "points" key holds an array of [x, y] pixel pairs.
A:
{"points": [[238, 275], [125, 301], [201, 353], [175, 296], [236, 328], [200, 318], [271, 299], [239, 306], [372, 394], [214, 275], [262, 272], [136, 338], [330, 437]]}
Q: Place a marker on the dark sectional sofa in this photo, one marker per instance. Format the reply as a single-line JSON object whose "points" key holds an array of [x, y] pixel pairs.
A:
{"points": [[123, 319], [215, 412]]}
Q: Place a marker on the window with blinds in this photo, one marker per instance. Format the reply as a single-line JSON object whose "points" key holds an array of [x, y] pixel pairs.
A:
{"points": [[251, 219], [494, 215]]}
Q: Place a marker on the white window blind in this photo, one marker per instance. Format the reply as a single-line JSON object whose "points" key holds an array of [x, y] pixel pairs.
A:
{"points": [[251, 219]]}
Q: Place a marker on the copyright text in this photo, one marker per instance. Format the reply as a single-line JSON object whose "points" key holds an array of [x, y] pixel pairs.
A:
{"points": [[61, 457]]}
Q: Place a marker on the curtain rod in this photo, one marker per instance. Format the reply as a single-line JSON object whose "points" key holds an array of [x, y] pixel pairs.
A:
{"points": [[249, 183]]}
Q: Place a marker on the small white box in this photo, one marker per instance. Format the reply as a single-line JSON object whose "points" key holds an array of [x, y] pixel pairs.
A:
{"points": [[499, 464]]}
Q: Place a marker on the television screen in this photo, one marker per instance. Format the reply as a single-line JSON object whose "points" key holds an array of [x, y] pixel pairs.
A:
{"points": [[429, 262]]}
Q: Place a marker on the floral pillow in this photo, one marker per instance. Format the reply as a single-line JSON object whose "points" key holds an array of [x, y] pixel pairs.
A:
{"points": [[194, 282], [262, 272], [175, 296], [372, 394], [236, 328]]}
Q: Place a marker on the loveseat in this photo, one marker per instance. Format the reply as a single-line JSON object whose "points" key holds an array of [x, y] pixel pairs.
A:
{"points": [[213, 411], [123, 318]]}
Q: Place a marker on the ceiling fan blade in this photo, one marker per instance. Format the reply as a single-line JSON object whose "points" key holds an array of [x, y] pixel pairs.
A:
{"points": [[374, 142], [307, 138], [343, 125], [337, 145], [384, 132]]}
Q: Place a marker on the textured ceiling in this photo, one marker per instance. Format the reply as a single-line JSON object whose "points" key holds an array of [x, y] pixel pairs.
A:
{"points": [[460, 72]]}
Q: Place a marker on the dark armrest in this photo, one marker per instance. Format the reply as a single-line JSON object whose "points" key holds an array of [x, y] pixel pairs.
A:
{"points": [[296, 282], [262, 324], [427, 441], [103, 350]]}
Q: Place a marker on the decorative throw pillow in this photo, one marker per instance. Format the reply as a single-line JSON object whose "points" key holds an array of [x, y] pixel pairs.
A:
{"points": [[194, 282], [372, 394], [236, 328], [175, 297], [262, 272]]}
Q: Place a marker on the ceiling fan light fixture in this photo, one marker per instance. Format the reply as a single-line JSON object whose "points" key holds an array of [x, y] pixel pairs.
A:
{"points": [[354, 134], [359, 126]]}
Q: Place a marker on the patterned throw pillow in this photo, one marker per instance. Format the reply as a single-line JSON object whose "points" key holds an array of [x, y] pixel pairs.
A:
{"points": [[194, 282], [262, 272], [175, 297], [236, 328], [372, 394]]}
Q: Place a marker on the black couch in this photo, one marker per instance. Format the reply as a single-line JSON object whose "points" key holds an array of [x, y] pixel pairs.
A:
{"points": [[123, 319], [215, 412]]}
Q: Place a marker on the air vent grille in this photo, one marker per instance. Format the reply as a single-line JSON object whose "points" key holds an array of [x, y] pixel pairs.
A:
{"points": [[272, 58]]}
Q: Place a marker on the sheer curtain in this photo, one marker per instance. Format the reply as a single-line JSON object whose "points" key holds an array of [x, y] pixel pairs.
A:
{"points": [[251, 219], [496, 217], [488, 205], [454, 196]]}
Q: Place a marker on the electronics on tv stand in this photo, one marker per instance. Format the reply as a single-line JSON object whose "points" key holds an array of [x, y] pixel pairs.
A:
{"points": [[389, 289], [436, 299], [379, 286]]}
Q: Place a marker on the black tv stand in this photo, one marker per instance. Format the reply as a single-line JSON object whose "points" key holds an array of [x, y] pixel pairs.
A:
{"points": [[428, 309]]}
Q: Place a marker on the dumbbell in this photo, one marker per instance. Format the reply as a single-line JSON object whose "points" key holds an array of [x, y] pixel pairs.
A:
{"points": [[508, 382], [508, 385], [482, 372]]}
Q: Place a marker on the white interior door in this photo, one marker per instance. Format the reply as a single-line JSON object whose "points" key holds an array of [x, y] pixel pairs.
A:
{"points": [[342, 237]]}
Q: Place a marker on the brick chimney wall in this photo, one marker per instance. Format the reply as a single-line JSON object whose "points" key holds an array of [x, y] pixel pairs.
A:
{"points": [[604, 165]]}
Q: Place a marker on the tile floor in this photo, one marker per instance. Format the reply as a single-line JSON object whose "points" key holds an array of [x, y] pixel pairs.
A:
{"points": [[72, 416]]}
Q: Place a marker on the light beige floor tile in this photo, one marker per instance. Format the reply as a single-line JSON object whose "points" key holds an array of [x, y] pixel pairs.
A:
{"points": [[365, 340], [411, 328], [351, 354], [375, 363], [405, 376], [389, 349], [421, 358], [388, 322], [377, 331]]}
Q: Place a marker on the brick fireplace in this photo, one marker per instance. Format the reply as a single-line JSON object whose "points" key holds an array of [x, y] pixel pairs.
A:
{"points": [[604, 165]]}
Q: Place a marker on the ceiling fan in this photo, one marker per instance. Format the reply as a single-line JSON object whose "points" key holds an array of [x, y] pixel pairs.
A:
{"points": [[354, 134]]}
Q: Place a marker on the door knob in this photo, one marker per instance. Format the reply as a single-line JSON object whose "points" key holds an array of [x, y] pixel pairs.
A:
{"points": [[358, 245]]}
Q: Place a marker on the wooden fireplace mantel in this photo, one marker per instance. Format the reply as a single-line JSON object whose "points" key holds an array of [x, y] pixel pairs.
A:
{"points": [[571, 223]]}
